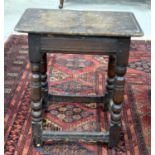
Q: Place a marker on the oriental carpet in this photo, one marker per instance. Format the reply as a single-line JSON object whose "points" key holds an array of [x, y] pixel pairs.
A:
{"points": [[82, 75]]}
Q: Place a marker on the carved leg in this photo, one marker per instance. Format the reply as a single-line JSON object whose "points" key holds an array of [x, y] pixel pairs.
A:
{"points": [[61, 4], [36, 99], [110, 81], [118, 94], [44, 83]]}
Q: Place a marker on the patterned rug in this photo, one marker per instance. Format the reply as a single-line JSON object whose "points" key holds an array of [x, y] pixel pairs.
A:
{"points": [[76, 74]]}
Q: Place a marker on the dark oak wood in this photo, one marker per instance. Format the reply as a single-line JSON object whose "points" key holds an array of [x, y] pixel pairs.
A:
{"points": [[79, 45], [118, 94], [36, 95], [78, 32], [92, 137], [75, 98], [83, 23], [110, 81], [44, 83]]}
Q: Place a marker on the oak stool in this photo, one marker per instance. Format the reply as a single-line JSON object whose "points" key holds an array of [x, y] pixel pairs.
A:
{"points": [[78, 32]]}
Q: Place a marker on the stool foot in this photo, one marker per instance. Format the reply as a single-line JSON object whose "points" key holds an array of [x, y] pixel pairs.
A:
{"points": [[37, 134], [114, 136]]}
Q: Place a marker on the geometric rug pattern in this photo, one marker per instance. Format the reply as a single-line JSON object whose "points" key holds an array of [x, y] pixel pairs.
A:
{"points": [[81, 75]]}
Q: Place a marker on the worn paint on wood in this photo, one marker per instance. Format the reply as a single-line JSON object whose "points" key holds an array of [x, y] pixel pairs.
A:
{"points": [[84, 23]]}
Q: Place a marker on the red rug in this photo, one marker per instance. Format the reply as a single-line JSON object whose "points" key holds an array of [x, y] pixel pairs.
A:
{"points": [[76, 74]]}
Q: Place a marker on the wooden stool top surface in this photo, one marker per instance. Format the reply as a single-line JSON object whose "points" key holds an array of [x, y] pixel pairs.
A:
{"points": [[83, 23]]}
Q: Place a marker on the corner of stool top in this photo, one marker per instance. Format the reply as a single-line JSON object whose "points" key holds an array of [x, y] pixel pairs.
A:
{"points": [[83, 23]]}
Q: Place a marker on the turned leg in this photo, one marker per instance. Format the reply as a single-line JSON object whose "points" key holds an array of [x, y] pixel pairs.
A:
{"points": [[36, 95], [110, 81], [118, 93], [36, 103], [44, 83], [61, 4]]}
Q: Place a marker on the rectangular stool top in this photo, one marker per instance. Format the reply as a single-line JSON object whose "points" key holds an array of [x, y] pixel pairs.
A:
{"points": [[83, 23]]}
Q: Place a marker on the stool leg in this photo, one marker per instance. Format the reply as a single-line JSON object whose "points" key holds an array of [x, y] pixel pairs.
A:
{"points": [[110, 81], [36, 104], [44, 83], [118, 93], [36, 95], [61, 4]]}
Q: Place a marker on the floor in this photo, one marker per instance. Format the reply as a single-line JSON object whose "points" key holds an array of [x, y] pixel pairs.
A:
{"points": [[141, 8]]}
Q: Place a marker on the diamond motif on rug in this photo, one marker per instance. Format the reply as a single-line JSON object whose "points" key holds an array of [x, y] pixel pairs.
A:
{"points": [[57, 75], [141, 65], [74, 62]]}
